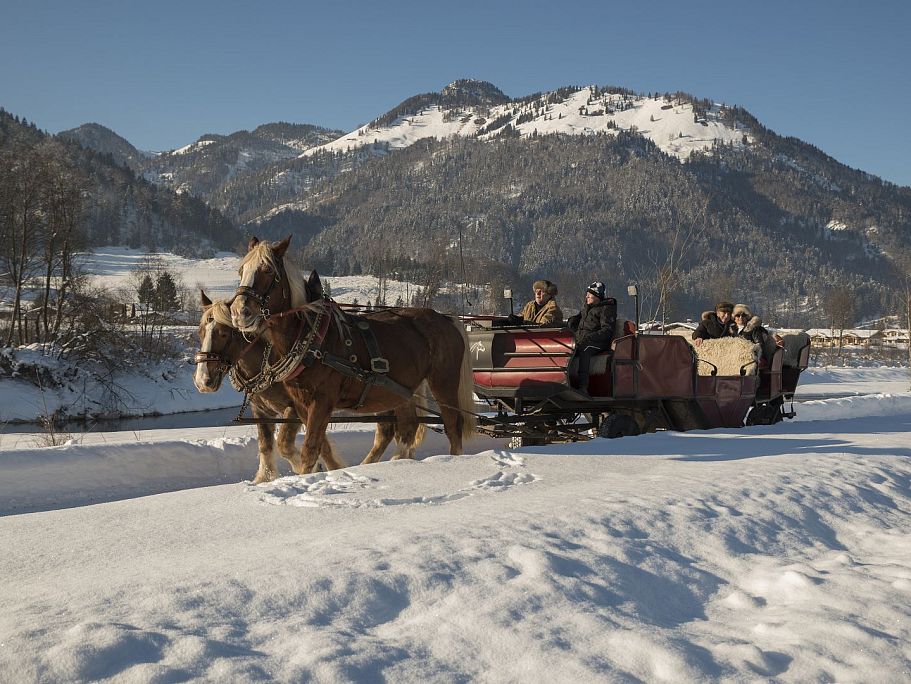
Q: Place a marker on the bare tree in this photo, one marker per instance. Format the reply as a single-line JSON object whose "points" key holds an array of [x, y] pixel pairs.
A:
{"points": [[667, 271], [839, 308], [62, 239], [22, 176], [901, 261]]}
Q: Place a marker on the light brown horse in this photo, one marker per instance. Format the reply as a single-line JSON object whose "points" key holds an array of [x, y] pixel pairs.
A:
{"points": [[222, 347], [416, 345]]}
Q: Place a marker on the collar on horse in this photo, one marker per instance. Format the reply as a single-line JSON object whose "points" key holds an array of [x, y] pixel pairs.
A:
{"points": [[305, 349]]}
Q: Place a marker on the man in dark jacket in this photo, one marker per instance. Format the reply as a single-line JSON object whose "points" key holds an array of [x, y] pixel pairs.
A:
{"points": [[594, 327], [715, 324]]}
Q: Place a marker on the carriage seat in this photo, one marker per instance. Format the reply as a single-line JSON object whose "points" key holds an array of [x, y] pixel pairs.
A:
{"points": [[728, 355], [600, 363], [794, 346]]}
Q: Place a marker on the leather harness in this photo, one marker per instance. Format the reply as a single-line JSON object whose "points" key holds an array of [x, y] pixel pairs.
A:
{"points": [[307, 350]]}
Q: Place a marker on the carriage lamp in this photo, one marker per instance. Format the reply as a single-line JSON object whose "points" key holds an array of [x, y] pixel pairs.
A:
{"points": [[507, 294], [633, 291]]}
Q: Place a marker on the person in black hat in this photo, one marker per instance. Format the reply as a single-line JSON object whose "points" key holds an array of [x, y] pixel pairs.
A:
{"points": [[594, 328], [715, 324]]}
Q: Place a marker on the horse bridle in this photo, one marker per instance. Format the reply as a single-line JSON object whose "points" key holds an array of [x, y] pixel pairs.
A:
{"points": [[263, 299], [215, 357]]}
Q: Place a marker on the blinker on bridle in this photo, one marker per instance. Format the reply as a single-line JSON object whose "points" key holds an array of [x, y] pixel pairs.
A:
{"points": [[263, 299]]}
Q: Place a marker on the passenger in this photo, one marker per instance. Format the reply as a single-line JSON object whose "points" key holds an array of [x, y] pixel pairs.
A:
{"points": [[750, 328], [715, 324], [542, 310], [594, 328]]}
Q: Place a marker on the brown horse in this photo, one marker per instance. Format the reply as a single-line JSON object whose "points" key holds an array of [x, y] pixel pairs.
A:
{"points": [[223, 348], [334, 365]]}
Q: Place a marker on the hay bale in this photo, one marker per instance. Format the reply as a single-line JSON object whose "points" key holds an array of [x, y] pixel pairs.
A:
{"points": [[729, 354]]}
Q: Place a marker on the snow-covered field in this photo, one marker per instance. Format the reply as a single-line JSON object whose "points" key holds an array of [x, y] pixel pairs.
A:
{"points": [[768, 553], [111, 267]]}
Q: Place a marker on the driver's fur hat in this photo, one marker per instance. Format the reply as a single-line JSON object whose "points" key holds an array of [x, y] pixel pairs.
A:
{"points": [[545, 285], [724, 306]]}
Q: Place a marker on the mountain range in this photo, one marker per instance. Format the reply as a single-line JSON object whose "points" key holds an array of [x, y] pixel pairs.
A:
{"points": [[573, 184]]}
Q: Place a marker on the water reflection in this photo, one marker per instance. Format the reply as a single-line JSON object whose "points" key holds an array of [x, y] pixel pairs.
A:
{"points": [[193, 419]]}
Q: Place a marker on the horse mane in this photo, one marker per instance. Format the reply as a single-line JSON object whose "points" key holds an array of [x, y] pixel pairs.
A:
{"points": [[297, 283], [221, 313]]}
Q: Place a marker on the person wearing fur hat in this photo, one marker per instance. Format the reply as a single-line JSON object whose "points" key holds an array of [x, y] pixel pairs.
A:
{"points": [[543, 309], [750, 328], [594, 327], [715, 324]]}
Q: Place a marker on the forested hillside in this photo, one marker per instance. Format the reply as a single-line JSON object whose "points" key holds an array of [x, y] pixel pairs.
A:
{"points": [[117, 207], [742, 223]]}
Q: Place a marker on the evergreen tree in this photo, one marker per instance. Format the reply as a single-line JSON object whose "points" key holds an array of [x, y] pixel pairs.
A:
{"points": [[146, 292], [166, 293]]}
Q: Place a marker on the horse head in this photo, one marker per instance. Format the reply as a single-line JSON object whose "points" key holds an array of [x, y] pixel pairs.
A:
{"points": [[219, 345], [269, 284]]}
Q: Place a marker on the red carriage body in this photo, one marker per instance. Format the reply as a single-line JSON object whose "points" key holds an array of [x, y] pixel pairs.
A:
{"points": [[647, 382]]}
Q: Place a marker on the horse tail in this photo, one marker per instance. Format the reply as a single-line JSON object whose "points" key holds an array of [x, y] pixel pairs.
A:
{"points": [[466, 386]]}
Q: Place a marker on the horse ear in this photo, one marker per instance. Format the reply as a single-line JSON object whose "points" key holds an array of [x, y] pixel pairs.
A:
{"points": [[315, 285], [281, 246], [202, 298], [253, 242]]}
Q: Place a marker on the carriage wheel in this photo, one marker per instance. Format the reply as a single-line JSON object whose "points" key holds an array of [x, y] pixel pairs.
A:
{"points": [[766, 414], [618, 425]]}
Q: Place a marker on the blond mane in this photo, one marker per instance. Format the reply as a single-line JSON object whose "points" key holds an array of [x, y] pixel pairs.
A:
{"points": [[262, 253], [221, 313]]}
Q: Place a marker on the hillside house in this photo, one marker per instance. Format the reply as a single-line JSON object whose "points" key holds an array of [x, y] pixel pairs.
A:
{"points": [[895, 337], [827, 337]]}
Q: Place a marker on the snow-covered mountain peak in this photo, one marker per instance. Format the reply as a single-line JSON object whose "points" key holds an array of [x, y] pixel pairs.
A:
{"points": [[676, 125], [470, 89]]}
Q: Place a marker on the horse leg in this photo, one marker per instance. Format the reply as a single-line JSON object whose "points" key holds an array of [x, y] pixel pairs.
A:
{"points": [[447, 397], [406, 430], [327, 453], [267, 470], [317, 422], [287, 434], [385, 431]]}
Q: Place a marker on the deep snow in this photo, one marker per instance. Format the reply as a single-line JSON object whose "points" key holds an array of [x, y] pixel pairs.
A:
{"points": [[777, 552]]}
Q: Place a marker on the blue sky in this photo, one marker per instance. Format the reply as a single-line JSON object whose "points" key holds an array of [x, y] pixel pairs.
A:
{"points": [[163, 73]]}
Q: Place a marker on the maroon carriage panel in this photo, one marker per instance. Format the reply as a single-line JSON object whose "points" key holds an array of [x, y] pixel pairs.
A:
{"points": [[725, 400], [653, 367]]}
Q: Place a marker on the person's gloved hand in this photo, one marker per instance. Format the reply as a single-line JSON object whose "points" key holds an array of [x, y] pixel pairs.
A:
{"points": [[513, 319]]}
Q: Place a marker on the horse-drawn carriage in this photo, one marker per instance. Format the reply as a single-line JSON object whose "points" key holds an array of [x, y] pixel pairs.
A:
{"points": [[646, 382], [300, 358]]}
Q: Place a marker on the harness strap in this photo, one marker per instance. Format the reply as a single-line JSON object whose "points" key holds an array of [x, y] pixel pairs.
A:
{"points": [[378, 364], [369, 378]]}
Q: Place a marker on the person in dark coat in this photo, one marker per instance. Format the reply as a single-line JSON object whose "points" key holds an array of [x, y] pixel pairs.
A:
{"points": [[594, 328], [749, 327], [715, 324]]}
